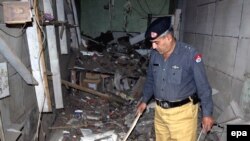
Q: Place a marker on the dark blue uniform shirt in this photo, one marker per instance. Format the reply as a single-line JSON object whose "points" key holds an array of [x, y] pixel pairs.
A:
{"points": [[178, 77]]}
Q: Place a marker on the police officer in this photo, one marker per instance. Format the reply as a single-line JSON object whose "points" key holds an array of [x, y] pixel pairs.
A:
{"points": [[176, 78]]}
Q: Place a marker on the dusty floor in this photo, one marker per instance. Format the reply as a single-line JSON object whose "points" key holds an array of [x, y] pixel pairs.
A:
{"points": [[85, 114], [105, 121]]}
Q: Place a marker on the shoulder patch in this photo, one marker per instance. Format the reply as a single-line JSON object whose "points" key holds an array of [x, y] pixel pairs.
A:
{"points": [[197, 58]]}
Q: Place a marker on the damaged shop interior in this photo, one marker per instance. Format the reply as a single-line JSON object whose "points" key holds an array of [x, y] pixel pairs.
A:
{"points": [[74, 70]]}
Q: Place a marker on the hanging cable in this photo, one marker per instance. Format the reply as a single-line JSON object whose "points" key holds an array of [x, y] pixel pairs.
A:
{"points": [[36, 17]]}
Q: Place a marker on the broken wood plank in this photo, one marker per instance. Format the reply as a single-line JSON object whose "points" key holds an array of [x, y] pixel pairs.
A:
{"points": [[61, 17], [16, 63], [53, 58], [91, 91], [35, 46]]}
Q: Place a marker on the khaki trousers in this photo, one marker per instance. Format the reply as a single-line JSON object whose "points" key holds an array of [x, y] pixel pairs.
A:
{"points": [[176, 124]]}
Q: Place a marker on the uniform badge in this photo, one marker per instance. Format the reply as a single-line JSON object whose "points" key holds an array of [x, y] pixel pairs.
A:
{"points": [[175, 67], [153, 34], [197, 58]]}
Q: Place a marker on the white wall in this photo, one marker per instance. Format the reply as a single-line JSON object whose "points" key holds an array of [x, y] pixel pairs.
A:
{"points": [[220, 31]]}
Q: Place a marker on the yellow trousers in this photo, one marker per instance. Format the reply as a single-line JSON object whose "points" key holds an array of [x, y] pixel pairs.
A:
{"points": [[176, 124]]}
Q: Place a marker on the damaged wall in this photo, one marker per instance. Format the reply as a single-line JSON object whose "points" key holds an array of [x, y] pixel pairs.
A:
{"points": [[123, 15], [19, 110], [219, 30]]}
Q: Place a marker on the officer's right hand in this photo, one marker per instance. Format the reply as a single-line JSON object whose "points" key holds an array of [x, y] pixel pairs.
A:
{"points": [[140, 108]]}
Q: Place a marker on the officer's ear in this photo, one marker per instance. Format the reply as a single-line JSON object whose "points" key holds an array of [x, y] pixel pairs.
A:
{"points": [[169, 37]]}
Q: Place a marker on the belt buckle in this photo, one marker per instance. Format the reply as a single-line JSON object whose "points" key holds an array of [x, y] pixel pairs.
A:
{"points": [[165, 105]]}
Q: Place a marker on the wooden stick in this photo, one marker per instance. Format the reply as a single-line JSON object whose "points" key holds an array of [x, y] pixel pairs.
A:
{"points": [[91, 91], [132, 126]]}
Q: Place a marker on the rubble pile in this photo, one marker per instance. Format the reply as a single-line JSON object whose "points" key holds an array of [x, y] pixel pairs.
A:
{"points": [[87, 117], [111, 65], [104, 89]]}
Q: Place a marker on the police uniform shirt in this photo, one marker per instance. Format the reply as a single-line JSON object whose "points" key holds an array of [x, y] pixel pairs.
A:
{"points": [[178, 77]]}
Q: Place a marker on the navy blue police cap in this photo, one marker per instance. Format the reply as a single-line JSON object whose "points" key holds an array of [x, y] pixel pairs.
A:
{"points": [[158, 27]]}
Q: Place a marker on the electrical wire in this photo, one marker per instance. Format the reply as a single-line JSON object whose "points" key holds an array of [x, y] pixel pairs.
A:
{"points": [[40, 55]]}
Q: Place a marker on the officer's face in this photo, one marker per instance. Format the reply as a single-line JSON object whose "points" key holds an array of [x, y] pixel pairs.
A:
{"points": [[161, 44]]}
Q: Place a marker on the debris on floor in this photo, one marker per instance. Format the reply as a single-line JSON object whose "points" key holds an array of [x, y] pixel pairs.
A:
{"points": [[87, 117], [105, 86]]}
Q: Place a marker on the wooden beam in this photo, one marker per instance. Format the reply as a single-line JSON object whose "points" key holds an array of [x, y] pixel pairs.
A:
{"points": [[94, 92], [16, 63], [53, 57], [61, 17], [35, 45], [38, 69]]}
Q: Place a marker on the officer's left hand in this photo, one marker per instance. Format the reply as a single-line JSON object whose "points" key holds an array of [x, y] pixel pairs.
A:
{"points": [[207, 123]]}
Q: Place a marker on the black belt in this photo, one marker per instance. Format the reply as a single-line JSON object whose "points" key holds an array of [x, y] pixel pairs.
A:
{"points": [[168, 104]]}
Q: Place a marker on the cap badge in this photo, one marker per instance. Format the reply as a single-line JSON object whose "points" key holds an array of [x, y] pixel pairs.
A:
{"points": [[197, 58], [153, 34]]}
